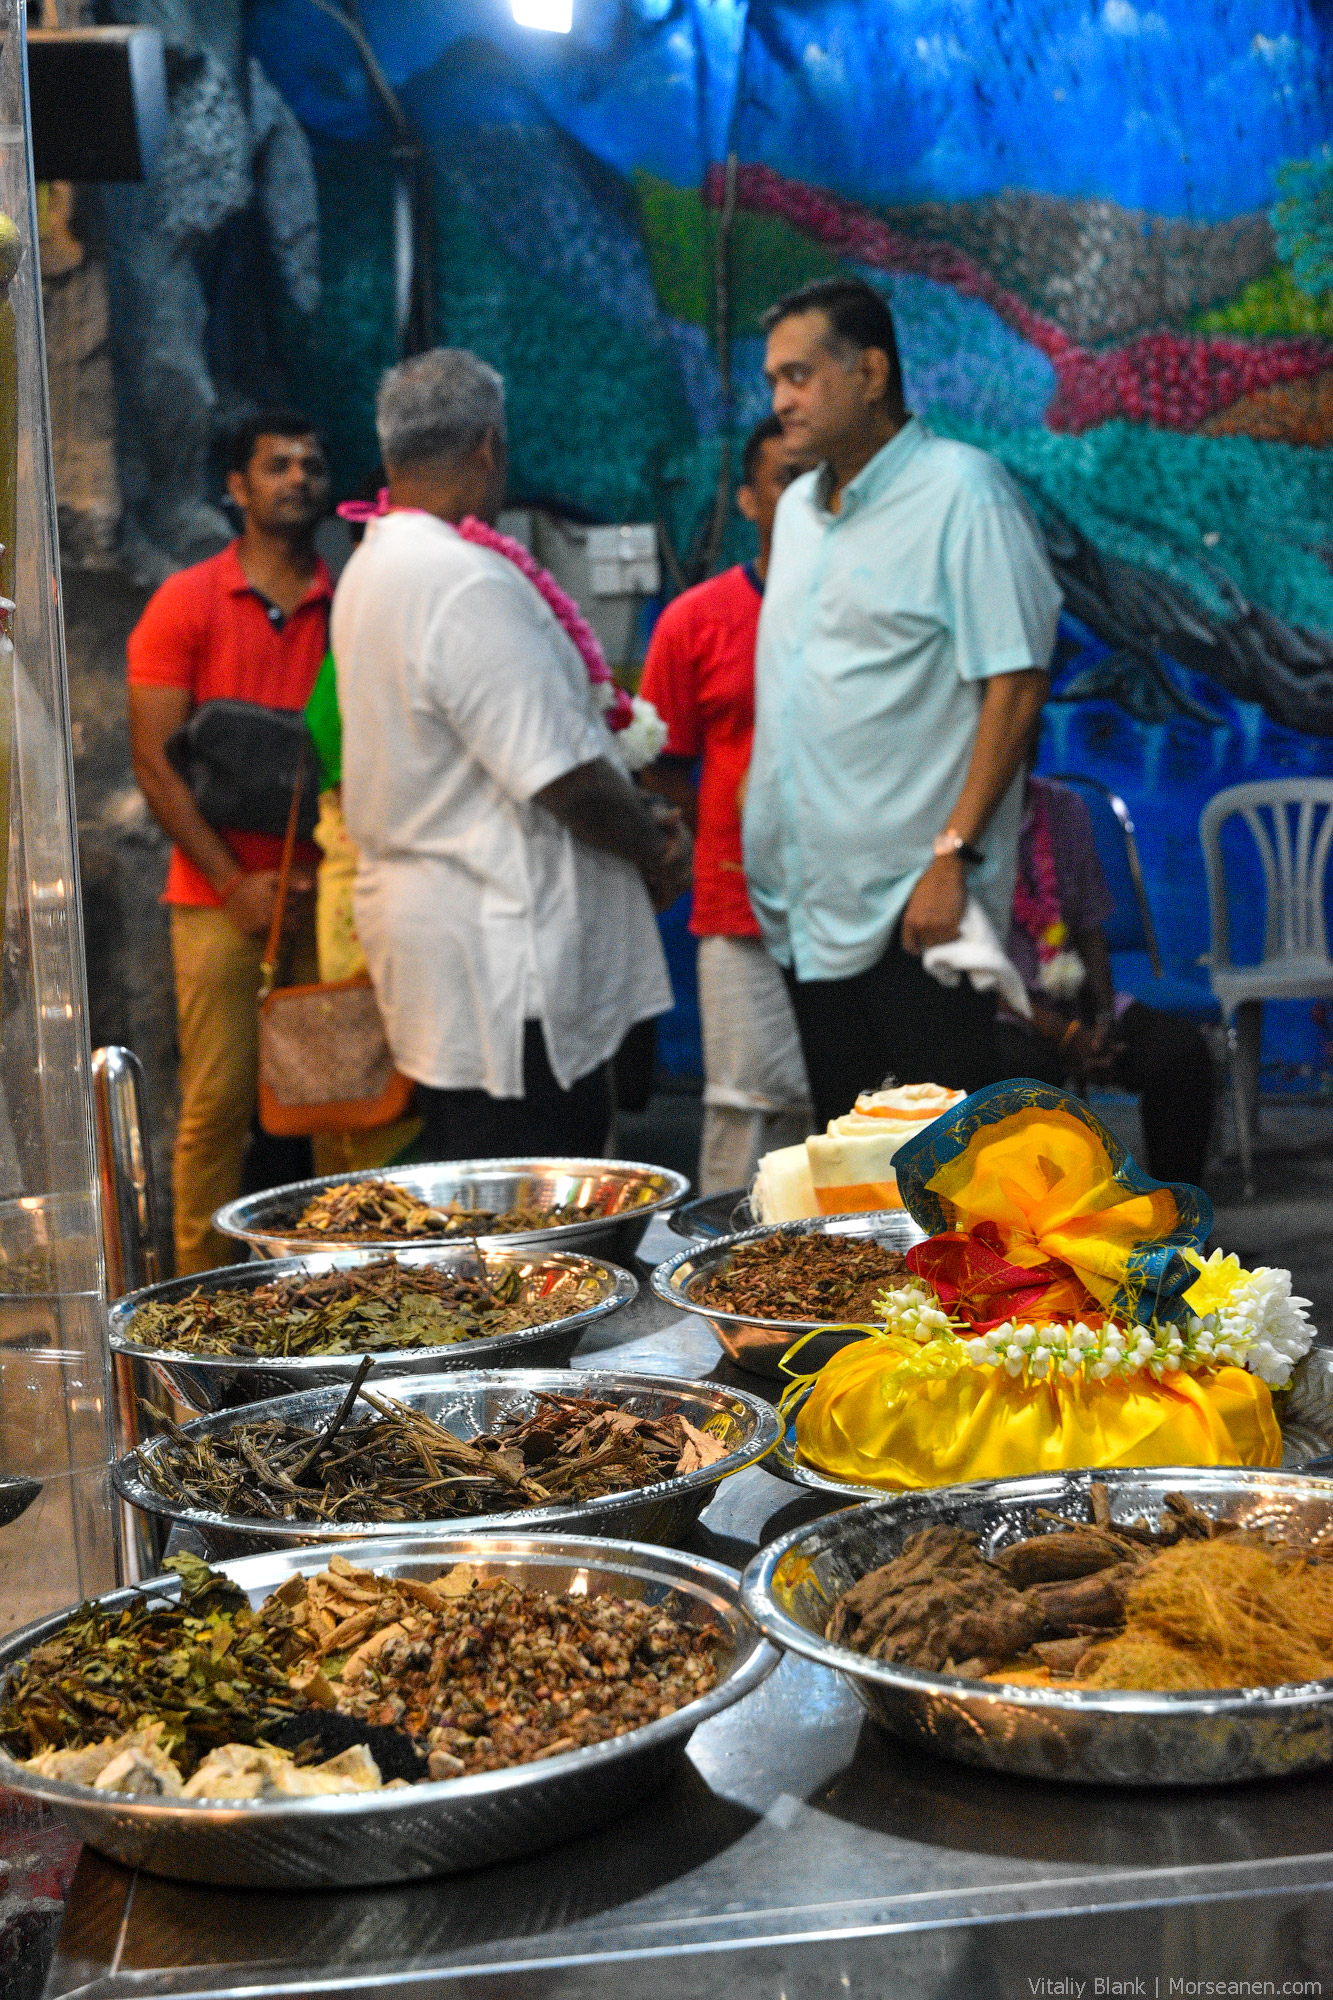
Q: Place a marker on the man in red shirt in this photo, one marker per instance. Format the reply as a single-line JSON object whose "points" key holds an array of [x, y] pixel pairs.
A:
{"points": [[250, 624], [700, 675]]}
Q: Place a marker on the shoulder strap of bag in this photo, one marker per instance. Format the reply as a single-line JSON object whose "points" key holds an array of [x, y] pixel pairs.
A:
{"points": [[268, 965]]}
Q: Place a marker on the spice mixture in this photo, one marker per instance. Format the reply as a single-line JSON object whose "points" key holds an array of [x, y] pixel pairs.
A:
{"points": [[382, 1211], [462, 1674], [374, 1308], [402, 1466], [489, 1674], [803, 1277], [1188, 1603]]}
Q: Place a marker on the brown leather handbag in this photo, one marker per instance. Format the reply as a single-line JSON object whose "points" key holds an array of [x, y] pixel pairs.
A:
{"points": [[324, 1061]]}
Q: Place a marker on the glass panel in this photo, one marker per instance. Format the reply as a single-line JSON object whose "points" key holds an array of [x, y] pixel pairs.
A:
{"points": [[55, 1402]]}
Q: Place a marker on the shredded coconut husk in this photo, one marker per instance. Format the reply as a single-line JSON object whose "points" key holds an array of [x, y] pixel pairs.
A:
{"points": [[1218, 1614]]}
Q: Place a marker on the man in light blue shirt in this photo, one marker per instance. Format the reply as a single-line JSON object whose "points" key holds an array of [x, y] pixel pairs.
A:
{"points": [[908, 620]]}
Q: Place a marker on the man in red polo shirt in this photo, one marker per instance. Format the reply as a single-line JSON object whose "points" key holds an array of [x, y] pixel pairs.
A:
{"points": [[700, 675], [251, 624]]}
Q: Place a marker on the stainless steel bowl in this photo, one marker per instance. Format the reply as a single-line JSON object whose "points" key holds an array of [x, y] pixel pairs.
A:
{"points": [[1304, 1414], [362, 1838], [759, 1344], [1077, 1736], [466, 1405], [17, 1493], [632, 1192], [207, 1382]]}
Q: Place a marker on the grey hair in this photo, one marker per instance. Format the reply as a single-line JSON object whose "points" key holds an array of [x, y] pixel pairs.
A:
{"points": [[438, 405]]}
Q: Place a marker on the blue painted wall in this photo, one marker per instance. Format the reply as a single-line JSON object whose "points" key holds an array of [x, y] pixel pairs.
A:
{"points": [[1033, 183]]}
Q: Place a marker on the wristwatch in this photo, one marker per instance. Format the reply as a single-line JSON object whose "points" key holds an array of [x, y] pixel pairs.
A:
{"points": [[952, 842]]}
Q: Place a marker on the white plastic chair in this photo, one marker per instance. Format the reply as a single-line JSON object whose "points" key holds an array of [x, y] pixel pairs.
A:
{"points": [[1291, 823]]}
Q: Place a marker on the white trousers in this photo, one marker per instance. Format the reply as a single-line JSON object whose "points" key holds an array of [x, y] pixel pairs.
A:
{"points": [[756, 1094]]}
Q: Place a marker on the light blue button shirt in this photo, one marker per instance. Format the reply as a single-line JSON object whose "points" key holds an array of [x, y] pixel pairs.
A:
{"points": [[879, 625]]}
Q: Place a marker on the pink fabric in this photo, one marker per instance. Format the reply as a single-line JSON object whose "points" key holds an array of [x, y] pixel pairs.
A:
{"points": [[1037, 901], [619, 712]]}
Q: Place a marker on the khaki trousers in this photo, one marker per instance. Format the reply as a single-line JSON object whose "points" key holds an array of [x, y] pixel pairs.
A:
{"points": [[756, 1097], [217, 1012]]}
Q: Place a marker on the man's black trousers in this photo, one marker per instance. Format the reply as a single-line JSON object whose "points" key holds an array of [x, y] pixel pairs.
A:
{"points": [[469, 1125], [892, 1021]]}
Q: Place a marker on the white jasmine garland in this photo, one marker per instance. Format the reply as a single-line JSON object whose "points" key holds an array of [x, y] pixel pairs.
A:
{"points": [[1254, 1313], [643, 738], [915, 1313], [1062, 976], [1257, 1324]]}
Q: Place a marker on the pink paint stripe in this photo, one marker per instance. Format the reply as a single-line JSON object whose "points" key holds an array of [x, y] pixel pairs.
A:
{"points": [[1171, 381], [857, 234]]}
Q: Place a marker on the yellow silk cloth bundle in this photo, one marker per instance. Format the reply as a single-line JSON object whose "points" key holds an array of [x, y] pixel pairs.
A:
{"points": [[1039, 1224], [1040, 1188], [873, 1420]]}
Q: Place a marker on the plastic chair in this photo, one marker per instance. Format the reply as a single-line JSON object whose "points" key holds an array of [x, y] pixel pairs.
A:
{"points": [[1131, 936], [1291, 823]]}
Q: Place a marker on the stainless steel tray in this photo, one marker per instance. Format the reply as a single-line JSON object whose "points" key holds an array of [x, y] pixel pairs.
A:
{"points": [[1072, 1735], [430, 1829], [226, 1381], [467, 1404], [260, 1220], [759, 1344], [1304, 1414]]}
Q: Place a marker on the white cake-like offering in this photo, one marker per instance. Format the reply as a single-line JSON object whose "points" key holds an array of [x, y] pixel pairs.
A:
{"points": [[783, 1190], [849, 1168]]}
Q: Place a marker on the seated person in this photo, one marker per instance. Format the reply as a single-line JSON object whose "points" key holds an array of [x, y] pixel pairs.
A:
{"points": [[1081, 1028]]}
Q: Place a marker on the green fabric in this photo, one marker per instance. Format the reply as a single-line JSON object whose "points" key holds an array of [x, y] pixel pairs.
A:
{"points": [[326, 725]]}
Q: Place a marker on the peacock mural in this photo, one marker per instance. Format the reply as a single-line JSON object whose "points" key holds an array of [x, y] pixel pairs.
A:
{"points": [[1106, 231]]}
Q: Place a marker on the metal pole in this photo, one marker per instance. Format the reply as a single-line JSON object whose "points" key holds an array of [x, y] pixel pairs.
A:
{"points": [[125, 1170], [129, 1244]]}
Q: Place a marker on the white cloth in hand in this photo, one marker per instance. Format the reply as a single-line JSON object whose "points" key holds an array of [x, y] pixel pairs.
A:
{"points": [[977, 952]]}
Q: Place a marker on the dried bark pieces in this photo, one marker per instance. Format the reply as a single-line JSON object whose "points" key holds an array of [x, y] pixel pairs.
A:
{"points": [[1192, 1602], [939, 1602]]}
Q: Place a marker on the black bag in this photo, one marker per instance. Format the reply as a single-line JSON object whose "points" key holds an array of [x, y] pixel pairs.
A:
{"points": [[241, 761]]}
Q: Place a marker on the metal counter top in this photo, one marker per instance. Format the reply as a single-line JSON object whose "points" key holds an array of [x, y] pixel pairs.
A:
{"points": [[800, 1853]]}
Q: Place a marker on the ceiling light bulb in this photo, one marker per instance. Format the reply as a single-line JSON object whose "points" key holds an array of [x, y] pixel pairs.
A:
{"points": [[557, 16]]}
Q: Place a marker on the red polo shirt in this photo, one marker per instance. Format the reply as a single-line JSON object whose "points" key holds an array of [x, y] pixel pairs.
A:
{"points": [[208, 630], [699, 675]]}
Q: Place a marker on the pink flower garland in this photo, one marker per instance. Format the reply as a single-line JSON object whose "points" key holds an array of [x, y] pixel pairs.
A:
{"points": [[1037, 903], [618, 709], [1036, 907]]}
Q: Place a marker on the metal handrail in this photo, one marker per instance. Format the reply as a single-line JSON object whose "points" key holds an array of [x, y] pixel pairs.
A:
{"points": [[125, 1170], [129, 1246]]}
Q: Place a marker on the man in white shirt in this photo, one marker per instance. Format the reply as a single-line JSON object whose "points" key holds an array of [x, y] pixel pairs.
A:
{"points": [[508, 867], [908, 618]]}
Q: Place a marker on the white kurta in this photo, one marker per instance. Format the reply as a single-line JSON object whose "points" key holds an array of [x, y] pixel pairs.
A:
{"points": [[461, 698]]}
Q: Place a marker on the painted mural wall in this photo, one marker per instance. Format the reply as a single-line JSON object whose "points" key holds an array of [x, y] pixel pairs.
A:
{"points": [[1106, 231]]}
